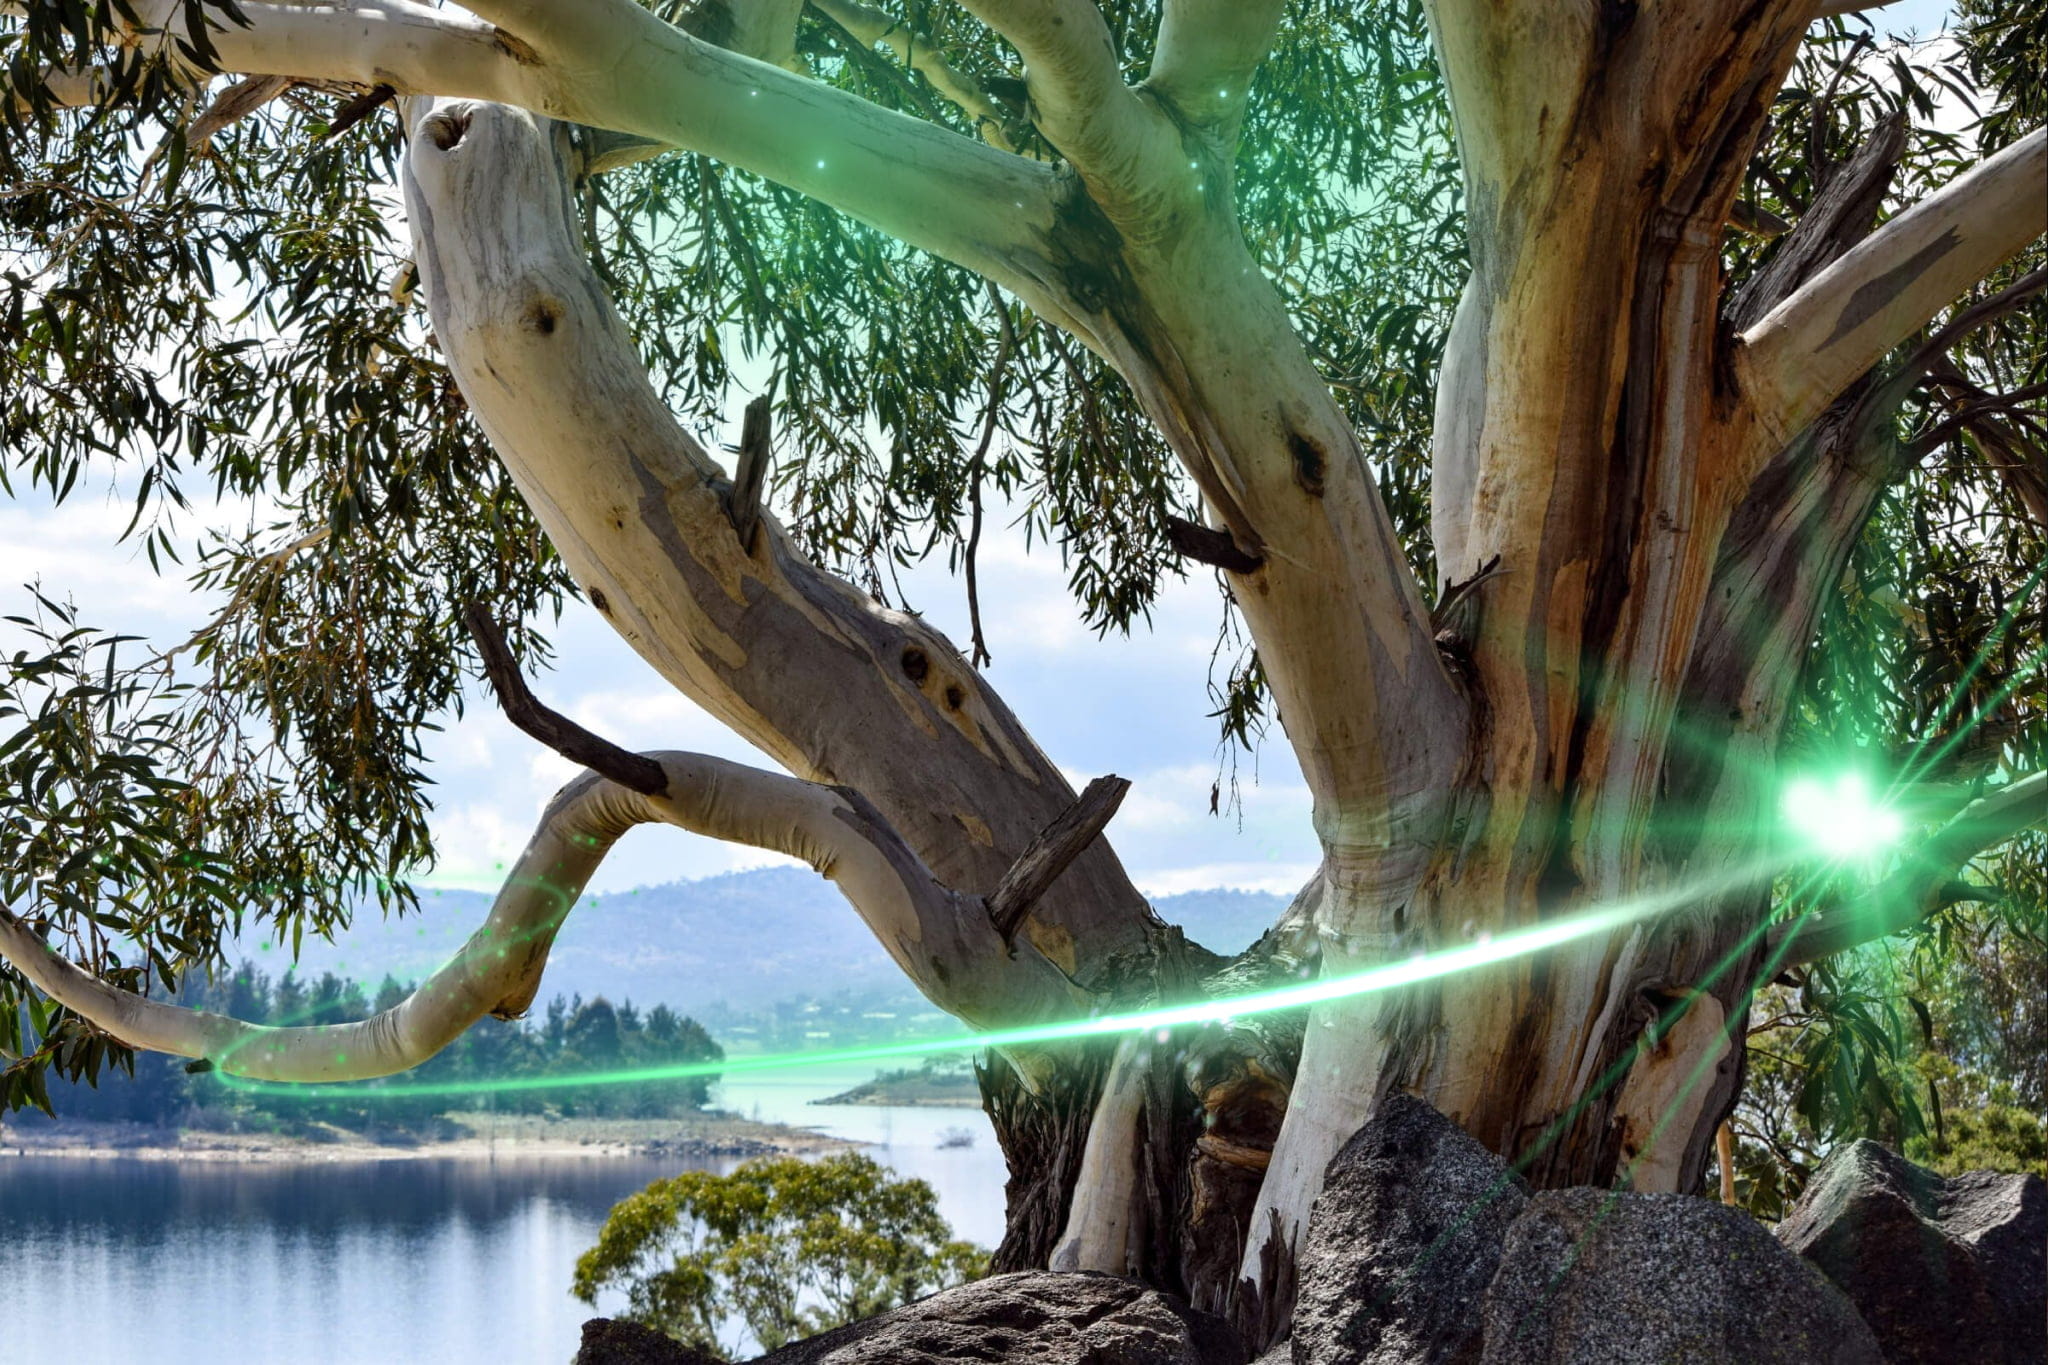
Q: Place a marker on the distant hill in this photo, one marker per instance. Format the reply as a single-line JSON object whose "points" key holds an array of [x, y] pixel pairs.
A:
{"points": [[736, 943]]}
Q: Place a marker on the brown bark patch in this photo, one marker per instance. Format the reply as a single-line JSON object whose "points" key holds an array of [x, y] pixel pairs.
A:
{"points": [[517, 48], [1310, 460]]}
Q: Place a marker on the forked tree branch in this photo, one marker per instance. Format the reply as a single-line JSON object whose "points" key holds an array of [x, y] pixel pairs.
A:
{"points": [[937, 935], [1079, 101], [833, 686], [1922, 884], [1809, 348]]}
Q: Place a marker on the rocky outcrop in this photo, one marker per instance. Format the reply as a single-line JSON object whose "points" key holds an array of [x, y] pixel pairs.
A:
{"points": [[1030, 1318], [1593, 1277], [610, 1341], [1425, 1249], [1943, 1270], [1402, 1243]]}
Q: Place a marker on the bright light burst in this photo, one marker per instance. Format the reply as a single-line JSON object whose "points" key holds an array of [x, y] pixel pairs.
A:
{"points": [[1841, 817]]}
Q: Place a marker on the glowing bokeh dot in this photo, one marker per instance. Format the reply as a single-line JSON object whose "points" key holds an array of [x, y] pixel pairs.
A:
{"points": [[1840, 817]]}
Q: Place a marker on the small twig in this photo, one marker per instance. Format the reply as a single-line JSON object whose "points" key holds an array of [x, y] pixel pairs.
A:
{"points": [[357, 109], [743, 505], [1456, 594], [636, 771], [1209, 546], [1056, 846], [978, 655], [269, 563], [1927, 442]]}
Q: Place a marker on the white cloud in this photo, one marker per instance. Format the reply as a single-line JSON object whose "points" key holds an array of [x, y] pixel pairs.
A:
{"points": [[1281, 878], [478, 843]]}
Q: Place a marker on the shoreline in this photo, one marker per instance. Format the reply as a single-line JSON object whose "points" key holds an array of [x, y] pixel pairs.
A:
{"points": [[478, 1137], [882, 1101]]}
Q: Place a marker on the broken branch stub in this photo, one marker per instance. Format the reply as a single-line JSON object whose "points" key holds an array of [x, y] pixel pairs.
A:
{"points": [[750, 474], [1206, 545], [1048, 855]]}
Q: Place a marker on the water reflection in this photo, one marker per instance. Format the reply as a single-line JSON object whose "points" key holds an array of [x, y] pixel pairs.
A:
{"points": [[348, 1263], [384, 1263]]}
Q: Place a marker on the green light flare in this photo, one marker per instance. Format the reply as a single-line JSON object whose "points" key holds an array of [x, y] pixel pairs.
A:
{"points": [[1840, 816], [1484, 952]]}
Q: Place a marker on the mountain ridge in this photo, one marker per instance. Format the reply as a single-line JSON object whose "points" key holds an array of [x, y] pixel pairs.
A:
{"points": [[732, 943]]}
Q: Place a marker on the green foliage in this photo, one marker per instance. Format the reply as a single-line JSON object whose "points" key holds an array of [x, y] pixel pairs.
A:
{"points": [[1938, 1049], [187, 324], [1927, 667], [785, 1246]]}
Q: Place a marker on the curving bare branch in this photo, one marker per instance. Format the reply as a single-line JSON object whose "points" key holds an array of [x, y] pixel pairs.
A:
{"points": [[942, 938]]}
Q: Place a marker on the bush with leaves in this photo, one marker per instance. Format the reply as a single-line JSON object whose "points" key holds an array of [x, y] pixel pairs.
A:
{"points": [[786, 1246]]}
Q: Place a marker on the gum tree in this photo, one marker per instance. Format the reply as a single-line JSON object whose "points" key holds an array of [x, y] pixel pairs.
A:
{"points": [[1531, 473]]}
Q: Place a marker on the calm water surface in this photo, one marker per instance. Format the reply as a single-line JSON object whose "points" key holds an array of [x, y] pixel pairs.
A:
{"points": [[106, 1262]]}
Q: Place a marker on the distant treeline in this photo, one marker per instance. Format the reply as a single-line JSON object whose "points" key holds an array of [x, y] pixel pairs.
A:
{"points": [[571, 1038]]}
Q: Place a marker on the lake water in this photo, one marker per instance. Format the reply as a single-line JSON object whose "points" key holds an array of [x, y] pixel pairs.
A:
{"points": [[382, 1263]]}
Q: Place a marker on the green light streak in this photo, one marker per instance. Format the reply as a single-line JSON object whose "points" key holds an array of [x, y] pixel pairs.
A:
{"points": [[1961, 689], [1485, 952]]}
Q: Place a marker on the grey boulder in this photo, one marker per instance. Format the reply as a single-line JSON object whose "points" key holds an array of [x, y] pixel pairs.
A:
{"points": [[1029, 1318], [1591, 1277], [1943, 1270], [1402, 1242], [614, 1341]]}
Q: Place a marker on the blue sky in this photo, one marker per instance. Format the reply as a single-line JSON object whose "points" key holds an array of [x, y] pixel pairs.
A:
{"points": [[1135, 706]]}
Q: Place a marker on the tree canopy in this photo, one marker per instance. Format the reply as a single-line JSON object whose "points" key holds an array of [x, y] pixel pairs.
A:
{"points": [[785, 1246]]}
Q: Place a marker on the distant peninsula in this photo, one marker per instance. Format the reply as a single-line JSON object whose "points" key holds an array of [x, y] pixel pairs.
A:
{"points": [[924, 1087]]}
